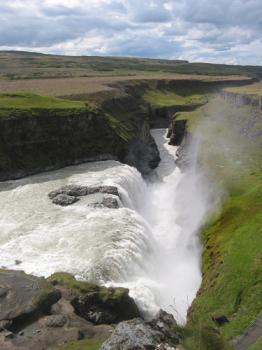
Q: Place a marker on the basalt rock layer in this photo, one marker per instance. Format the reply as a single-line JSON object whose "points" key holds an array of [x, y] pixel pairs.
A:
{"points": [[114, 125]]}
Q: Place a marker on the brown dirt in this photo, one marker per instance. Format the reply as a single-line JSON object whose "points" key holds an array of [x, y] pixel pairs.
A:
{"points": [[71, 86]]}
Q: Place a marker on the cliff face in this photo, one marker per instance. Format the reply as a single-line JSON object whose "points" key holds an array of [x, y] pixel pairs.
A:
{"points": [[240, 100], [47, 141], [118, 127], [51, 139]]}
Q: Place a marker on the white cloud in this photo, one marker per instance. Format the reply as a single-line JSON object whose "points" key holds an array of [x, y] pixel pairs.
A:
{"points": [[223, 31]]}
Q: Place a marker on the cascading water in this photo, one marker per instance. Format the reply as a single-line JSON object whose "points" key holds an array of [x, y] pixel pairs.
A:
{"points": [[149, 244]]}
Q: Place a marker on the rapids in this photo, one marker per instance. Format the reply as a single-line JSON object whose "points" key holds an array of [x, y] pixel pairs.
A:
{"points": [[149, 245]]}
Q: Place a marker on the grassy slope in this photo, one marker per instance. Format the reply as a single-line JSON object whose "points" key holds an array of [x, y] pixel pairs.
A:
{"points": [[169, 99], [24, 65], [28, 101], [27, 104], [232, 260]]}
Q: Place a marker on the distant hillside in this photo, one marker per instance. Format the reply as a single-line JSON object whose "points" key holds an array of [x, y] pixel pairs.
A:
{"points": [[26, 65]]}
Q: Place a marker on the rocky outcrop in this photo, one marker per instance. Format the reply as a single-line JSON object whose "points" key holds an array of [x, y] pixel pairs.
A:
{"points": [[94, 303], [79, 191], [138, 334], [114, 125], [107, 202], [143, 156], [36, 313], [64, 199], [52, 139], [23, 297], [179, 136], [70, 194], [177, 132], [240, 100], [186, 152]]}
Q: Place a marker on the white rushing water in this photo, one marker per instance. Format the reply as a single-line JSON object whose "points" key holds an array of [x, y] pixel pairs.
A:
{"points": [[149, 244]]}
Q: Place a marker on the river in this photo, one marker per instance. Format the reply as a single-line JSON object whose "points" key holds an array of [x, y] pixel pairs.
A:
{"points": [[149, 245]]}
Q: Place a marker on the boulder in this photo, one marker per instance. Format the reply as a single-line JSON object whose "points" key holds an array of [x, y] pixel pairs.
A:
{"points": [[22, 297], [107, 202], [133, 334], [178, 132], [139, 334], [97, 304], [60, 326], [70, 194], [79, 191], [64, 199], [166, 324]]}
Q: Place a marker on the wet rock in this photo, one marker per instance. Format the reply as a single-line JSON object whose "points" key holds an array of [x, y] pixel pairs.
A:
{"points": [[79, 191], [109, 190], [178, 132], [70, 194], [64, 200], [169, 132], [110, 202], [24, 296], [144, 157], [94, 303], [166, 324], [107, 202], [138, 334], [186, 156], [105, 305]]}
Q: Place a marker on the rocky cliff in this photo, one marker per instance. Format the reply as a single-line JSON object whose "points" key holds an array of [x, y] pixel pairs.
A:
{"points": [[116, 126]]}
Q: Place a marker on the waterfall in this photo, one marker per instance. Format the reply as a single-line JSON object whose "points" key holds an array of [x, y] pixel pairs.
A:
{"points": [[150, 244]]}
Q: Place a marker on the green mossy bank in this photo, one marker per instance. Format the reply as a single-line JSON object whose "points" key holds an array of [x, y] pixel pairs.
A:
{"points": [[230, 154]]}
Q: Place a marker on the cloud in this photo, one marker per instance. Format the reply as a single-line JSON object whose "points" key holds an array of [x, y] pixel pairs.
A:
{"points": [[223, 31]]}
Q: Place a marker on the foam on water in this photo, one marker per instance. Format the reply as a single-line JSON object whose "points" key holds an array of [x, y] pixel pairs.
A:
{"points": [[146, 245]]}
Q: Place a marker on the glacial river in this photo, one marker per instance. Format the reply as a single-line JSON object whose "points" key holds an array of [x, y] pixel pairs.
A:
{"points": [[149, 245]]}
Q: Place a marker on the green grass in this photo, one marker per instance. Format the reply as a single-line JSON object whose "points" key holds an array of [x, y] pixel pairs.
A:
{"points": [[232, 262], [168, 99], [120, 128], [230, 153], [80, 287], [31, 101], [17, 105], [86, 344]]}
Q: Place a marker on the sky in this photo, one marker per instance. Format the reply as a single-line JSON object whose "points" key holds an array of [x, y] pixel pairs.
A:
{"points": [[219, 31]]}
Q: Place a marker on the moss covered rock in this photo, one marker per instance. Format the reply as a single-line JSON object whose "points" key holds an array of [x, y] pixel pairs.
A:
{"points": [[94, 303]]}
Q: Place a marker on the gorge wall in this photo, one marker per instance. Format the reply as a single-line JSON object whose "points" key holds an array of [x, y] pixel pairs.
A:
{"points": [[114, 125]]}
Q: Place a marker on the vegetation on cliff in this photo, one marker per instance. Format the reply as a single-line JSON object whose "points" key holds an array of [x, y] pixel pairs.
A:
{"points": [[169, 98], [229, 151]]}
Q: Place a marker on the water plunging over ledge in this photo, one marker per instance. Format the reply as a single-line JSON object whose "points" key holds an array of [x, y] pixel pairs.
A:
{"points": [[149, 244]]}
